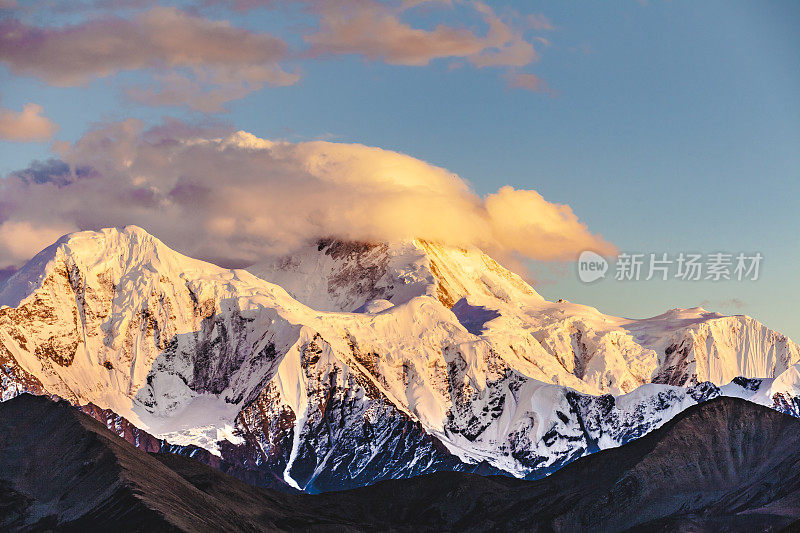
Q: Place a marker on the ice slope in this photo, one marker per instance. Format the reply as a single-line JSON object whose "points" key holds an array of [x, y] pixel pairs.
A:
{"points": [[332, 275], [352, 362], [680, 347]]}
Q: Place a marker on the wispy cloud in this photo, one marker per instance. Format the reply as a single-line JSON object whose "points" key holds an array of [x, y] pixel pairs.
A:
{"points": [[377, 31], [732, 303], [191, 60], [537, 21], [527, 81], [201, 62]]}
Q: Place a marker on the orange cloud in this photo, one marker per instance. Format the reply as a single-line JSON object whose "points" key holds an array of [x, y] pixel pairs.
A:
{"points": [[27, 125], [236, 198], [375, 30], [523, 221]]}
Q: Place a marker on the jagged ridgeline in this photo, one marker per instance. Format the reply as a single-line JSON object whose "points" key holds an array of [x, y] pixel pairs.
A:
{"points": [[347, 363]]}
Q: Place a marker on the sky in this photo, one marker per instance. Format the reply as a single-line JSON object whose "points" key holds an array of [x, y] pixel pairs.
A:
{"points": [[534, 130]]}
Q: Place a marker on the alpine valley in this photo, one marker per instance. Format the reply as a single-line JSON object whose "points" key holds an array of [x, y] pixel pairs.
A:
{"points": [[349, 363]]}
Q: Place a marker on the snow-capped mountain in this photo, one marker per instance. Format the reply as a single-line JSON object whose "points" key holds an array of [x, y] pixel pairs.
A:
{"points": [[332, 275], [347, 363]]}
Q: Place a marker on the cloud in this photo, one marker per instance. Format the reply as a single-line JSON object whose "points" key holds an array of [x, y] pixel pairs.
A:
{"points": [[236, 198], [539, 22], [194, 61], [26, 125], [43, 171], [200, 62], [375, 30], [6, 273], [19, 241], [86, 7], [523, 221], [242, 5], [732, 303], [526, 81]]}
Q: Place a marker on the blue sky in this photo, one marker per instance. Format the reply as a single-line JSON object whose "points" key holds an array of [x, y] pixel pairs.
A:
{"points": [[668, 127]]}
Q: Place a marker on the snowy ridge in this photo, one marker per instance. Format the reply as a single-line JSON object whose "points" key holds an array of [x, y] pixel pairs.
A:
{"points": [[349, 363]]}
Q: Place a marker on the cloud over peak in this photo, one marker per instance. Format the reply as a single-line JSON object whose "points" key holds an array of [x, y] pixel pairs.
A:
{"points": [[234, 199]]}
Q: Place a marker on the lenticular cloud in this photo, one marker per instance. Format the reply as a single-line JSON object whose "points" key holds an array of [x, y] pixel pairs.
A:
{"points": [[234, 198]]}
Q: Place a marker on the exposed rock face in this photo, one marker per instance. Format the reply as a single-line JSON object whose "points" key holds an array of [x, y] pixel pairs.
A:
{"points": [[14, 380], [238, 462], [351, 433], [457, 365]]}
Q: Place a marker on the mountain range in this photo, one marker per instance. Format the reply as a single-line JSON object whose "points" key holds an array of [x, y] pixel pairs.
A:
{"points": [[705, 470], [346, 363]]}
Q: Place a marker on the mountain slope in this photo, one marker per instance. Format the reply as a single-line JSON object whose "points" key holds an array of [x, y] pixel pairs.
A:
{"points": [[457, 365], [60, 469], [725, 465]]}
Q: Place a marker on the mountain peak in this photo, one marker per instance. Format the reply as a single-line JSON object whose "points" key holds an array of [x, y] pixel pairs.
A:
{"points": [[110, 250], [327, 275], [336, 275]]}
